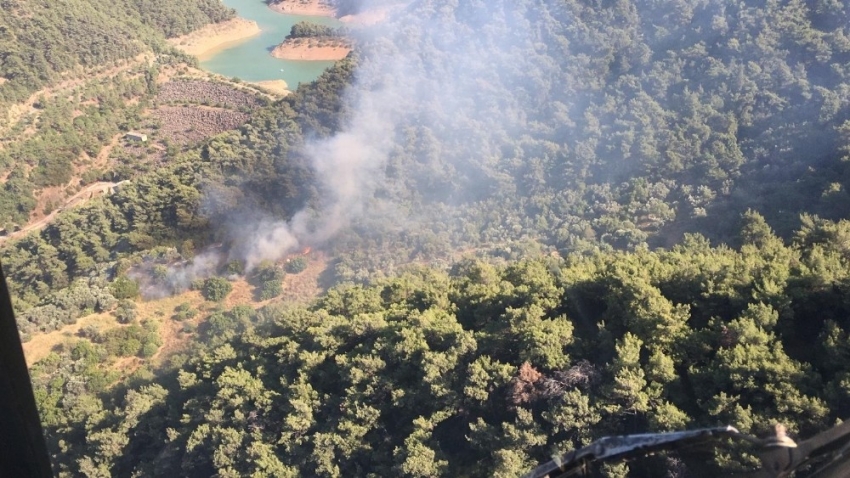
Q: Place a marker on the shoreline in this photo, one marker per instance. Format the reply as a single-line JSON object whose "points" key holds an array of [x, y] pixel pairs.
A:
{"points": [[313, 8], [312, 49], [212, 38], [278, 87]]}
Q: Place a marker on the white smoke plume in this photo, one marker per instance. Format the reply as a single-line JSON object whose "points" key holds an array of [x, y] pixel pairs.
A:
{"points": [[396, 85], [178, 276], [349, 167]]}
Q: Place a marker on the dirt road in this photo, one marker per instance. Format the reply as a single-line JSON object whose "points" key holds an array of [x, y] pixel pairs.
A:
{"points": [[84, 195]]}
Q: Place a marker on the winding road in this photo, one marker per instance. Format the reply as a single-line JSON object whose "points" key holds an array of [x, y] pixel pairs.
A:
{"points": [[84, 195]]}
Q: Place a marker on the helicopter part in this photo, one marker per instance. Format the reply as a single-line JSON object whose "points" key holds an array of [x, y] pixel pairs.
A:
{"points": [[24, 452], [828, 452], [623, 447]]}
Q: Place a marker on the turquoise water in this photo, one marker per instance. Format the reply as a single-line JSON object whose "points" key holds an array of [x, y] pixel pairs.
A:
{"points": [[251, 60]]}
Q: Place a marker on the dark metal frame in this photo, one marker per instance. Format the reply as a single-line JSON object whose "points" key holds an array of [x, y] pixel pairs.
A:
{"points": [[23, 451], [828, 453]]}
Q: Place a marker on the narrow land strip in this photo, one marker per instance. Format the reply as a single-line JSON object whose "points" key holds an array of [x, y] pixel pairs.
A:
{"points": [[277, 87], [213, 38], [320, 8], [312, 49]]}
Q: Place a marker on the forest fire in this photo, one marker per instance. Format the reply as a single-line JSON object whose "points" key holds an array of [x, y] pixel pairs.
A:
{"points": [[296, 255]]}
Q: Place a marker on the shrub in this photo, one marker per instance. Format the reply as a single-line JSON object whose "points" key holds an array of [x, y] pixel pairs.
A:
{"points": [[126, 312], [216, 289], [149, 349], [296, 265], [242, 312], [184, 311], [234, 267], [267, 271], [187, 249], [160, 272], [271, 289], [123, 341], [124, 288], [82, 298]]}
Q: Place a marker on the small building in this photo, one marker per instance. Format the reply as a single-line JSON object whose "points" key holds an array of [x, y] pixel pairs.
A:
{"points": [[138, 137]]}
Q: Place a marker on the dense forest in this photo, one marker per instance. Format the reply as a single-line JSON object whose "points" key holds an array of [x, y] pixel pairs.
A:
{"points": [[560, 221], [483, 370]]}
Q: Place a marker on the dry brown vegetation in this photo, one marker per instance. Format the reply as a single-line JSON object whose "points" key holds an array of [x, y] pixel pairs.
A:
{"points": [[305, 286], [190, 124], [42, 344], [300, 288], [207, 93]]}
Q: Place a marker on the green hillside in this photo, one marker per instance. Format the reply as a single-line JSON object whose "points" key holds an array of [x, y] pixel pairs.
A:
{"points": [[40, 40], [549, 222], [484, 371], [73, 75]]}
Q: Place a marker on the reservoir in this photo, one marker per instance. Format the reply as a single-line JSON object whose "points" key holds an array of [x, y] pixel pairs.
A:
{"points": [[251, 59]]}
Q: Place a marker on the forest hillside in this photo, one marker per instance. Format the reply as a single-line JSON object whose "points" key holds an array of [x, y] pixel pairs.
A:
{"points": [[536, 223], [44, 41]]}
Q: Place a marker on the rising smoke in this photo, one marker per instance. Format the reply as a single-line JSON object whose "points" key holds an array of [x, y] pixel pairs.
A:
{"points": [[349, 168], [416, 73], [458, 101], [403, 80]]}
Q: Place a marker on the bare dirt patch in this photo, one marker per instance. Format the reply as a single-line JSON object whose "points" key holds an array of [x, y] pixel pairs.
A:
{"points": [[41, 345], [215, 37]]}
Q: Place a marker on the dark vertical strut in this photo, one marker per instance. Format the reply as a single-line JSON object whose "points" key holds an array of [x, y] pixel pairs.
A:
{"points": [[23, 452]]}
